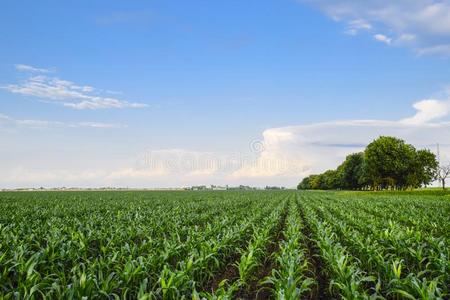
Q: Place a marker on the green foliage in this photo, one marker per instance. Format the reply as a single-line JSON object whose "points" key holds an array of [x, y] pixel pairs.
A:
{"points": [[124, 245], [380, 246], [174, 245], [352, 171], [251, 258], [291, 280], [386, 163]]}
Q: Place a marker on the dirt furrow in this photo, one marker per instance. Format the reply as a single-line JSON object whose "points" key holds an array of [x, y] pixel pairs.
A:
{"points": [[254, 289], [321, 290]]}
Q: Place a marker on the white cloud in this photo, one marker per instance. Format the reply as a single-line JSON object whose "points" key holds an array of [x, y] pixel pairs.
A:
{"points": [[36, 177], [355, 26], [7, 121], [66, 93], [428, 110], [96, 125], [423, 25], [304, 149], [27, 68], [21, 176], [133, 173], [440, 50], [382, 38], [282, 157], [161, 168], [274, 159], [289, 153], [406, 38], [322, 146], [183, 162]]}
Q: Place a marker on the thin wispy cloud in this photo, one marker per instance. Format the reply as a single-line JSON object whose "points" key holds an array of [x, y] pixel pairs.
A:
{"points": [[422, 25], [440, 50], [64, 92], [356, 26], [28, 68], [7, 121]]}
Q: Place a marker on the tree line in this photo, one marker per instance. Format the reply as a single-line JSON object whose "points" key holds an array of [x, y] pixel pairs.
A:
{"points": [[386, 163]]}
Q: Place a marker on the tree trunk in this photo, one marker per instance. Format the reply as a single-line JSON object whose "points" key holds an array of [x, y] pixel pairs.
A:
{"points": [[443, 183]]}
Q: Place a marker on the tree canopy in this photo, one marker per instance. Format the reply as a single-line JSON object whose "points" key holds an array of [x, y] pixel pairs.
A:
{"points": [[386, 163]]}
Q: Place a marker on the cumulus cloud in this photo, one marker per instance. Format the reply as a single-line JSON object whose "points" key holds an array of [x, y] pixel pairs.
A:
{"points": [[153, 168], [274, 159], [282, 157], [305, 149], [320, 146], [64, 92], [289, 153], [160, 168], [7, 121], [428, 110], [423, 25]]}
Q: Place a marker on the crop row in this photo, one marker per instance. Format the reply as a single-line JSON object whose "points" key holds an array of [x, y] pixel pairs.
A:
{"points": [[389, 259], [223, 245], [120, 247]]}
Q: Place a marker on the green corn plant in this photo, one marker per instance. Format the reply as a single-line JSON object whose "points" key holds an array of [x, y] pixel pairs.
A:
{"points": [[289, 279], [131, 244]]}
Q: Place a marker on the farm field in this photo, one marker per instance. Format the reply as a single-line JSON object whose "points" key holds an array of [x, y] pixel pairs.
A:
{"points": [[224, 245]]}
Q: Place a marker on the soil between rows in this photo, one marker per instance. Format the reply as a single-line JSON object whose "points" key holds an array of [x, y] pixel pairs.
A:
{"points": [[254, 290], [321, 290]]}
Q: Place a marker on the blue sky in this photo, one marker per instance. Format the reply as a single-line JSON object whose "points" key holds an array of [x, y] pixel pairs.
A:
{"points": [[89, 88]]}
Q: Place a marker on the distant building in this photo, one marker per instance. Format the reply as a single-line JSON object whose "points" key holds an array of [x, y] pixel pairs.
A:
{"points": [[219, 188], [199, 188], [213, 187], [275, 188]]}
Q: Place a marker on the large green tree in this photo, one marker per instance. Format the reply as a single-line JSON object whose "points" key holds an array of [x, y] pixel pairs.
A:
{"points": [[426, 166], [316, 182], [351, 170], [387, 162], [305, 184], [331, 180]]}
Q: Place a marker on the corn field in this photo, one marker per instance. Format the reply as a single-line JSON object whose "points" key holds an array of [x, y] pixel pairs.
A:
{"points": [[224, 245]]}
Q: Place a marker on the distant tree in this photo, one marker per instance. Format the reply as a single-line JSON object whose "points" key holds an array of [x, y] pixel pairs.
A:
{"points": [[363, 179], [425, 167], [351, 170], [388, 162], [442, 173], [331, 180], [316, 182], [305, 184]]}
